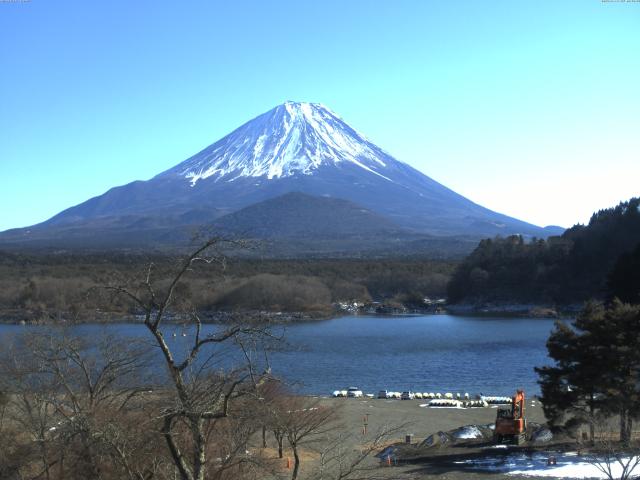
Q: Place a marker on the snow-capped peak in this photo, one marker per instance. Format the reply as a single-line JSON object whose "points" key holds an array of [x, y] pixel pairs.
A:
{"points": [[293, 138]]}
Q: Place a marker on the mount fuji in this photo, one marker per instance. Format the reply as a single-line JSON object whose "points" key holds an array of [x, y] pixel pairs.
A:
{"points": [[301, 148]]}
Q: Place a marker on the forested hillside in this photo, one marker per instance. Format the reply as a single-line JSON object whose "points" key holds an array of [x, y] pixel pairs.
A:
{"points": [[57, 286], [584, 262]]}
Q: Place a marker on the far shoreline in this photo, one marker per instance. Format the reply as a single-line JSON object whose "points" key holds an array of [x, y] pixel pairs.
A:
{"points": [[42, 318]]}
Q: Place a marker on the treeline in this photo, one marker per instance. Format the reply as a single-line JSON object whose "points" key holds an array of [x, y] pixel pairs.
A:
{"points": [[50, 287], [584, 262]]}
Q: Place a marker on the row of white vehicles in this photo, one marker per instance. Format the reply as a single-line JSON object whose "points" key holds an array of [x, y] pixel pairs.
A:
{"points": [[355, 392], [351, 392], [409, 395]]}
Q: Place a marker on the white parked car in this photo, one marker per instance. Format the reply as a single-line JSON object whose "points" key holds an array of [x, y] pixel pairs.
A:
{"points": [[354, 392], [339, 393]]}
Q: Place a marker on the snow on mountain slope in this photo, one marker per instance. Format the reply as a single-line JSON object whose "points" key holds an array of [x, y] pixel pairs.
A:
{"points": [[293, 138]]}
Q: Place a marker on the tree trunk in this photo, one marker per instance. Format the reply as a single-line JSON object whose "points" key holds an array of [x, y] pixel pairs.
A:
{"points": [[629, 426], [264, 436], [174, 450], [625, 434], [92, 468], [44, 455], [279, 439], [200, 457], [61, 464], [592, 427], [296, 462]]}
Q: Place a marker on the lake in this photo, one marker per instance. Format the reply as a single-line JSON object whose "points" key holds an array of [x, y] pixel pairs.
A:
{"points": [[430, 353]]}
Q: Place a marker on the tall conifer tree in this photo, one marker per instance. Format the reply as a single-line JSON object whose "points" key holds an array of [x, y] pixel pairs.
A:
{"points": [[597, 366]]}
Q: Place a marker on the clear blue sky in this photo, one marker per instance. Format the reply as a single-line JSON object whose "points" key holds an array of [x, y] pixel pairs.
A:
{"points": [[531, 108]]}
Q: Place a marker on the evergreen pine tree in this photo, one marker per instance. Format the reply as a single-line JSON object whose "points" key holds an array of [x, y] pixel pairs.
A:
{"points": [[597, 366]]}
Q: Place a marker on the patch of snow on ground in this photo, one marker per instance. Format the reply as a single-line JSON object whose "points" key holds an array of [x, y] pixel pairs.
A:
{"points": [[567, 469], [467, 432], [452, 406], [568, 466]]}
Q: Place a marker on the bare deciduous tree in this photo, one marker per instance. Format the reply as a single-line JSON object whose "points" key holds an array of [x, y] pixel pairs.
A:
{"points": [[204, 389], [616, 459], [338, 462], [73, 403], [190, 403], [303, 422]]}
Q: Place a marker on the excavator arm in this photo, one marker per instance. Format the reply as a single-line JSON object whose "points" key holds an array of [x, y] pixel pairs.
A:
{"points": [[518, 405], [511, 424]]}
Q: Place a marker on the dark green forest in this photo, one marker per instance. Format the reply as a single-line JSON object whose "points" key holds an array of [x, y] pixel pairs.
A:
{"points": [[597, 260]]}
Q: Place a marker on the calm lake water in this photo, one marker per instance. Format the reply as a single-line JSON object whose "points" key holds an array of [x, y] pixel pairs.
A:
{"points": [[444, 353]]}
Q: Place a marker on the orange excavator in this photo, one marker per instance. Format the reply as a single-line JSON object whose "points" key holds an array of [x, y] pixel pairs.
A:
{"points": [[511, 426]]}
